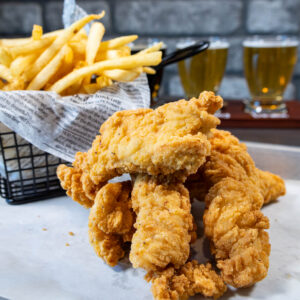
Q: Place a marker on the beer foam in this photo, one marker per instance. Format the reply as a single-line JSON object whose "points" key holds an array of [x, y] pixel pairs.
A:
{"points": [[270, 43], [215, 44], [218, 45]]}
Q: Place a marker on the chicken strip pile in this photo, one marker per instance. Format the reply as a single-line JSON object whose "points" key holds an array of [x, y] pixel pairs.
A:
{"points": [[110, 221], [160, 148], [229, 158], [189, 280], [170, 140], [163, 224]]}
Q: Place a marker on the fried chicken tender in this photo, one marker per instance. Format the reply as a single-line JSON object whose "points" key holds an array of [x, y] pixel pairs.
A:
{"points": [[192, 278], [234, 223], [163, 226], [77, 183], [171, 139], [271, 186], [110, 221], [113, 210], [106, 246], [229, 158], [232, 219]]}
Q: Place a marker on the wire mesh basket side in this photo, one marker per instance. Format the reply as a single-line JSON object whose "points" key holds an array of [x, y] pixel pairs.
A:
{"points": [[27, 173]]}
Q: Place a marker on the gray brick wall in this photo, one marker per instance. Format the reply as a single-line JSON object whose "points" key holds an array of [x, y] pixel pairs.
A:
{"points": [[170, 21]]}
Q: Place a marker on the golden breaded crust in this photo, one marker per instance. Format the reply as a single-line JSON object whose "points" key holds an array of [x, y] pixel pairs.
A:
{"points": [[171, 139], [77, 182], [70, 180], [112, 208], [106, 246], [229, 158], [191, 279], [272, 186], [110, 221], [234, 223], [163, 226]]}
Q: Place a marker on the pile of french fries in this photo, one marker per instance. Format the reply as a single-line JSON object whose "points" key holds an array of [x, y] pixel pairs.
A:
{"points": [[69, 61]]}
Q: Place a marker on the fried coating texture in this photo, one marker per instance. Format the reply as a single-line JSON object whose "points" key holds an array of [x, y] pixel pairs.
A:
{"points": [[77, 183], [113, 210], [272, 186], [171, 139], [234, 223], [191, 279], [234, 194], [163, 226], [229, 158], [110, 221], [106, 246], [70, 180]]}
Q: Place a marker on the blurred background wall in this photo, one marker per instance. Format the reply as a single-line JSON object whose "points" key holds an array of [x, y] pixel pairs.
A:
{"points": [[170, 21]]}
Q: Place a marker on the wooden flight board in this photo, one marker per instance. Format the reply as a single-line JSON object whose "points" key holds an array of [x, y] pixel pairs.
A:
{"points": [[233, 115]]}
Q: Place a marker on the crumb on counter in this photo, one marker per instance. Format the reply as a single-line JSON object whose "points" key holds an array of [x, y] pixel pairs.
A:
{"points": [[44, 229], [71, 233], [67, 244]]}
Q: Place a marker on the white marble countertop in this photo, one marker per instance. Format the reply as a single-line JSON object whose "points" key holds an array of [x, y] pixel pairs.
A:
{"points": [[35, 262]]}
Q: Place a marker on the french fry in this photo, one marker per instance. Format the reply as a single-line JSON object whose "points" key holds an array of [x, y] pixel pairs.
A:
{"points": [[91, 88], [149, 70], [72, 90], [42, 77], [126, 50], [80, 36], [59, 42], [80, 64], [123, 75], [37, 32], [65, 60], [103, 81], [21, 63], [55, 33], [31, 46], [5, 74], [94, 39], [78, 47], [5, 57], [117, 42], [16, 84], [21, 41], [62, 71], [77, 86], [69, 56], [134, 61], [155, 47], [14, 42], [110, 54]]}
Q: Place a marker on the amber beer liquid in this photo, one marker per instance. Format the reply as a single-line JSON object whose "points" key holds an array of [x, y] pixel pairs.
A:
{"points": [[268, 66], [205, 70]]}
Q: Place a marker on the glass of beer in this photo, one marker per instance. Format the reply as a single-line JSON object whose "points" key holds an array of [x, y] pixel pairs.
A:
{"points": [[268, 65], [205, 70]]}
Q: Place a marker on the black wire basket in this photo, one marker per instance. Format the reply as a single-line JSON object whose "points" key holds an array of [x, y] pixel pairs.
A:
{"points": [[28, 174]]}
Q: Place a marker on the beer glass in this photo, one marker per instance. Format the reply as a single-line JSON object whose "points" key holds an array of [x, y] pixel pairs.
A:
{"points": [[205, 70], [268, 67]]}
